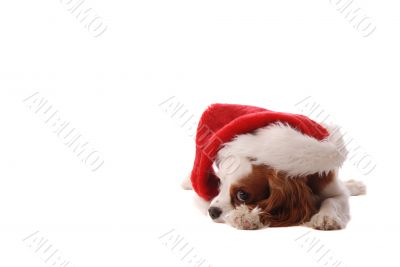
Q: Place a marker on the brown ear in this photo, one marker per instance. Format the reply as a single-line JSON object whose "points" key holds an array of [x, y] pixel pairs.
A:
{"points": [[291, 201]]}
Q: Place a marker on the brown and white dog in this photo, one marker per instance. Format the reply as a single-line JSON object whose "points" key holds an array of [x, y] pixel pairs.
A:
{"points": [[253, 194]]}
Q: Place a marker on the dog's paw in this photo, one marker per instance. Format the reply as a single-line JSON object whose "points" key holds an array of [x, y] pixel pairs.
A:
{"points": [[243, 218], [326, 221], [186, 183], [356, 187]]}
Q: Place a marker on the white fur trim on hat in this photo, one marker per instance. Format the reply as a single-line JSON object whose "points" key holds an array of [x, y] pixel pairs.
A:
{"points": [[286, 149]]}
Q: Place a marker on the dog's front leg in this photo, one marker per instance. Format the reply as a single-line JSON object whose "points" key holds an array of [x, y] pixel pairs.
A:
{"points": [[334, 212]]}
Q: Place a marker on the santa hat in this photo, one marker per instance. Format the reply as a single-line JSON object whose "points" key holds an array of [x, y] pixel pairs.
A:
{"points": [[298, 145]]}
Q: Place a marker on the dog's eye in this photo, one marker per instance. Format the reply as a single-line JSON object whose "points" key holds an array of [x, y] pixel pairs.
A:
{"points": [[242, 196]]}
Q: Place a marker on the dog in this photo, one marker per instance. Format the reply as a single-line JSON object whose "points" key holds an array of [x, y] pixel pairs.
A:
{"points": [[253, 194]]}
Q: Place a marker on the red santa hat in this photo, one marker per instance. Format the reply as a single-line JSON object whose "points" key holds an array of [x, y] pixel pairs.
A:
{"points": [[300, 147]]}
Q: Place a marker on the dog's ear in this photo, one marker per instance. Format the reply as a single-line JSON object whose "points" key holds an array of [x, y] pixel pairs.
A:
{"points": [[290, 201]]}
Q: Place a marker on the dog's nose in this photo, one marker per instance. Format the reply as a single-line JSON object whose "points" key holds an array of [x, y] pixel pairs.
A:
{"points": [[214, 212]]}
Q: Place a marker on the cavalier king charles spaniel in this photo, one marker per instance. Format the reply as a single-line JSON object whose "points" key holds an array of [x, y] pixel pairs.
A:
{"points": [[253, 195]]}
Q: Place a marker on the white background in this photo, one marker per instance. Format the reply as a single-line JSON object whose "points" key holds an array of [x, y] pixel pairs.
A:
{"points": [[109, 88]]}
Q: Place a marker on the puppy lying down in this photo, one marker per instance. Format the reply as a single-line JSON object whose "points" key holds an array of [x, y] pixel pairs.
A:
{"points": [[281, 174]]}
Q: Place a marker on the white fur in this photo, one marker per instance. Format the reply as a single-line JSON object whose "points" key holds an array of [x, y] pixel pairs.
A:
{"points": [[229, 173], [284, 148], [334, 212]]}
